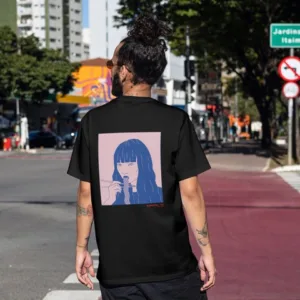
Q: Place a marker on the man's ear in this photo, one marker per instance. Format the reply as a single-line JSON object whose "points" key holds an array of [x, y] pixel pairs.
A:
{"points": [[123, 73]]}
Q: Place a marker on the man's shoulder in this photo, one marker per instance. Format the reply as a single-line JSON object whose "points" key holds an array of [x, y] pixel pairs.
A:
{"points": [[168, 112], [172, 111], [94, 112]]}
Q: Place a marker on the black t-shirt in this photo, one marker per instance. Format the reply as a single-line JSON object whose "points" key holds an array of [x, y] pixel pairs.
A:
{"points": [[134, 151]]}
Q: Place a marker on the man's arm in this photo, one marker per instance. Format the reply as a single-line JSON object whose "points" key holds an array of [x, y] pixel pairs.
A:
{"points": [[84, 214], [194, 205], [84, 262]]}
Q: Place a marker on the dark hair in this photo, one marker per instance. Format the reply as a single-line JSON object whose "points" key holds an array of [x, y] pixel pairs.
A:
{"points": [[143, 50]]}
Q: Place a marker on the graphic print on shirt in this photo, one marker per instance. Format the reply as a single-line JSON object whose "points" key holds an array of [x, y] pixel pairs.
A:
{"points": [[130, 168]]}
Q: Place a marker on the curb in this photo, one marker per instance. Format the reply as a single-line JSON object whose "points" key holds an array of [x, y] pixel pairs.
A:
{"points": [[267, 166], [33, 151], [293, 168], [6, 153]]}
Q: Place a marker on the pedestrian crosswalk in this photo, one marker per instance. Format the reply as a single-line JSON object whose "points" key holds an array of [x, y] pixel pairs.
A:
{"points": [[72, 278], [73, 295], [292, 178], [71, 285]]}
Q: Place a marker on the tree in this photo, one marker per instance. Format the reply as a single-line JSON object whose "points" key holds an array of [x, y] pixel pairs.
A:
{"points": [[8, 47], [28, 71], [233, 32], [246, 105], [129, 10]]}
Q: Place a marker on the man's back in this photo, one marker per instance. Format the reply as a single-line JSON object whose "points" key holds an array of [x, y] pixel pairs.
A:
{"points": [[137, 161], [137, 150]]}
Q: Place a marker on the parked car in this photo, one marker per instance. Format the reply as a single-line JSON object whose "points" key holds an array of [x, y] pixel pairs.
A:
{"points": [[45, 139]]}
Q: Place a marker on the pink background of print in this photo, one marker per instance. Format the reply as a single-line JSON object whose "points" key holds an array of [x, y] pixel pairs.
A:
{"points": [[107, 145]]}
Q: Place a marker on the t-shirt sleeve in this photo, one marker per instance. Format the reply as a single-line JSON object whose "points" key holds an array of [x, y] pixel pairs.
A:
{"points": [[190, 158], [79, 166]]}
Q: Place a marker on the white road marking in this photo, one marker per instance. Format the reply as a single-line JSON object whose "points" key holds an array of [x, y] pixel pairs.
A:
{"points": [[292, 178], [95, 252], [73, 295], [96, 263], [72, 278]]}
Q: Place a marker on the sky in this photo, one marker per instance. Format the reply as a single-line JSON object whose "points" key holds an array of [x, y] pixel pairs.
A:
{"points": [[85, 8]]}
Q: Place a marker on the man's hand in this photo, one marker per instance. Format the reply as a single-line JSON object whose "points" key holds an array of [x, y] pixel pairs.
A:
{"points": [[84, 267], [207, 269]]}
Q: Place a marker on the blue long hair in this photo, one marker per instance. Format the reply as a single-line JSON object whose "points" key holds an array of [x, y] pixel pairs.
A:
{"points": [[134, 150]]}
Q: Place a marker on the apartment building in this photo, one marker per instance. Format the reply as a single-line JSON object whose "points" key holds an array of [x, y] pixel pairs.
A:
{"points": [[86, 42], [57, 23], [104, 36], [72, 27]]}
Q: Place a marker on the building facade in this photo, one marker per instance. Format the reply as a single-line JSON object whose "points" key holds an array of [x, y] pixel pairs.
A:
{"points": [[86, 42], [8, 14], [104, 38], [57, 24]]}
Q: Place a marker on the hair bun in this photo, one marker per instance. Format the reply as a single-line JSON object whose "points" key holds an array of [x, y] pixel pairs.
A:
{"points": [[149, 31]]}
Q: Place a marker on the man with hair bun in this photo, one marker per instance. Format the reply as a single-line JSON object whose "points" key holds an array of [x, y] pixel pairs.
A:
{"points": [[137, 161]]}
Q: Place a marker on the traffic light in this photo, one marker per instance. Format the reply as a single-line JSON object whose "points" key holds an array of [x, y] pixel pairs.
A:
{"points": [[188, 72], [193, 88], [218, 105], [183, 86]]}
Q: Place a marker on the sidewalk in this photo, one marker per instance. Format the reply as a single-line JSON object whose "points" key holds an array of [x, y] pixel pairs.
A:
{"points": [[6, 153], [44, 151], [241, 156], [237, 162]]}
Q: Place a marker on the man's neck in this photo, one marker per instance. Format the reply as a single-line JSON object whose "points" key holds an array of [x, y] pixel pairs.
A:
{"points": [[139, 90]]}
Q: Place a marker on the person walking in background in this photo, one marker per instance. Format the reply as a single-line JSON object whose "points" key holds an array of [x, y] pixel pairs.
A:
{"points": [[138, 174], [256, 129], [24, 141]]}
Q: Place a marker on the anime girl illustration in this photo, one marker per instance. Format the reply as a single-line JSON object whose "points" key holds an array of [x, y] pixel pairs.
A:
{"points": [[133, 176]]}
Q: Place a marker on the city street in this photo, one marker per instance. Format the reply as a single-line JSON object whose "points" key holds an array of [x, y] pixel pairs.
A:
{"points": [[167, 73], [253, 219]]}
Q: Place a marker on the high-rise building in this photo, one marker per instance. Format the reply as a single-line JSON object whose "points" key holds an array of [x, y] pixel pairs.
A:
{"points": [[57, 24], [104, 36], [8, 14], [72, 27], [86, 41]]}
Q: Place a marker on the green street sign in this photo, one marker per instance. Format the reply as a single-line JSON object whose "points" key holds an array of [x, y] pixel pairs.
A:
{"points": [[285, 35]]}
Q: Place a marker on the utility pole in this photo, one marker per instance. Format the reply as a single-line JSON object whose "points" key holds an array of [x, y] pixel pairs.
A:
{"points": [[18, 127], [107, 30], [236, 104], [188, 97], [236, 100], [290, 124]]}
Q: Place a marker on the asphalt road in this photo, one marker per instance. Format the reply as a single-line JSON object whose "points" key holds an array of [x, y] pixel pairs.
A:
{"points": [[37, 225], [253, 219]]}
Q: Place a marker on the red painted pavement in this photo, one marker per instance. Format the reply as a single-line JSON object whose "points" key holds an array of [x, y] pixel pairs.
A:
{"points": [[254, 223]]}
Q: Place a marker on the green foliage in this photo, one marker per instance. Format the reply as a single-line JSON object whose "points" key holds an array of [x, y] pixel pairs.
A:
{"points": [[8, 41], [246, 104], [130, 9], [28, 71], [233, 32]]}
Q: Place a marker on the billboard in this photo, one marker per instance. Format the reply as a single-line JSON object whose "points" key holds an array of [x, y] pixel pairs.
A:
{"points": [[93, 84]]}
